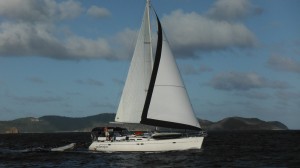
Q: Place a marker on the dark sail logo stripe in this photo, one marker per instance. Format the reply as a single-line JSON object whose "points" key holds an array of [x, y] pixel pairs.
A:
{"points": [[154, 72]]}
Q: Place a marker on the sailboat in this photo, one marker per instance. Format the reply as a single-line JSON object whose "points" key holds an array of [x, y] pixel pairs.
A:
{"points": [[154, 94]]}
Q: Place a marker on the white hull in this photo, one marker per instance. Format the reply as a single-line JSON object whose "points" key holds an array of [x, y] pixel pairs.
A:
{"points": [[148, 145]]}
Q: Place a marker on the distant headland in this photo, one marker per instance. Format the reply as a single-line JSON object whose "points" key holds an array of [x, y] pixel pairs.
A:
{"points": [[85, 124]]}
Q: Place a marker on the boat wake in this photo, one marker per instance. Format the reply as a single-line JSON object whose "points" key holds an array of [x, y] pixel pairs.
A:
{"points": [[69, 147]]}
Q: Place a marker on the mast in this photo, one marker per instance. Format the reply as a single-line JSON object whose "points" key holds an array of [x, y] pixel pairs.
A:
{"points": [[149, 32], [148, 56]]}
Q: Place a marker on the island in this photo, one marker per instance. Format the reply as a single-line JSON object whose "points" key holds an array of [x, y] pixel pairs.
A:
{"points": [[47, 124]]}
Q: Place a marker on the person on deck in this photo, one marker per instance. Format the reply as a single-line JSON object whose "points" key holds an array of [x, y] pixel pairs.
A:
{"points": [[106, 133]]}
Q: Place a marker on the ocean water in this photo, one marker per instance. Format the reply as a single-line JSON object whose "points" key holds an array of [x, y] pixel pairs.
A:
{"points": [[220, 149]]}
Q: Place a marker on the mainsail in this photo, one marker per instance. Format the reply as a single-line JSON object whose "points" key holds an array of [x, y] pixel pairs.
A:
{"points": [[155, 96]]}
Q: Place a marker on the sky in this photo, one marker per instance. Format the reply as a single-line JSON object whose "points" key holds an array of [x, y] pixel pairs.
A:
{"points": [[70, 57]]}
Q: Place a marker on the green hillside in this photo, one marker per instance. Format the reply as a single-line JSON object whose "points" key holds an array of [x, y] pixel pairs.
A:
{"points": [[56, 123], [68, 124]]}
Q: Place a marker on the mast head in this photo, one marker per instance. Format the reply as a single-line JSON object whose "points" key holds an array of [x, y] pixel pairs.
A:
{"points": [[148, 3]]}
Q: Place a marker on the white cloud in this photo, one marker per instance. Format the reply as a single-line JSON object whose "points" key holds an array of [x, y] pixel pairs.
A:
{"points": [[284, 64], [124, 43], [33, 29], [69, 9], [244, 81], [98, 12], [30, 29], [79, 47], [191, 70], [29, 10], [191, 32], [25, 39], [28, 39], [231, 10], [39, 11]]}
